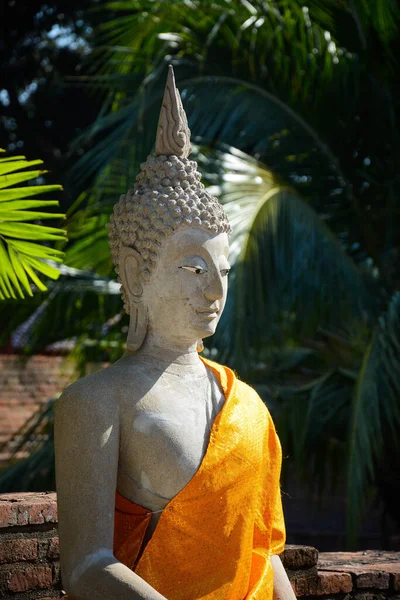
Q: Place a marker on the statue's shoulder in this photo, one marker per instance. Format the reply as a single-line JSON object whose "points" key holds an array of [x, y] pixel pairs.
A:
{"points": [[105, 389], [97, 391]]}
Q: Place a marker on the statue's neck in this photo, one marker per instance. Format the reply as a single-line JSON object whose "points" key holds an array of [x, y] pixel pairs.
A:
{"points": [[169, 357], [185, 357]]}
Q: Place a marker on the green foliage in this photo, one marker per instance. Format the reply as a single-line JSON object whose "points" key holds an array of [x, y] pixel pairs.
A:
{"points": [[20, 254], [79, 306], [375, 422], [281, 251]]}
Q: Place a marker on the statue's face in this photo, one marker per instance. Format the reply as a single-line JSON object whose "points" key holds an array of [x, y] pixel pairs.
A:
{"points": [[187, 290]]}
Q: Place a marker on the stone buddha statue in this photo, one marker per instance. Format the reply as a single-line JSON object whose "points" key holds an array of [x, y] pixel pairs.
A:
{"points": [[167, 465]]}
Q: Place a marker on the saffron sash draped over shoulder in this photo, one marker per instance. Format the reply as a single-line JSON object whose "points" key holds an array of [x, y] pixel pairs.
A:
{"points": [[215, 538]]}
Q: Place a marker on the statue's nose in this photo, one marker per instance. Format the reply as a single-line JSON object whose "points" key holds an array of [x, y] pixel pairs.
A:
{"points": [[215, 289]]}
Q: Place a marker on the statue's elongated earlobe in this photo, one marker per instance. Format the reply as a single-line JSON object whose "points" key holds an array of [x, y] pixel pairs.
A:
{"points": [[137, 326], [130, 272]]}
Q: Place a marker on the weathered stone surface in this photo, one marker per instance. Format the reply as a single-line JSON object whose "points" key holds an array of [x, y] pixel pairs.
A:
{"points": [[366, 576], [325, 583], [366, 557], [7, 514], [27, 508], [371, 569], [373, 579], [30, 578], [299, 557], [12, 551]]}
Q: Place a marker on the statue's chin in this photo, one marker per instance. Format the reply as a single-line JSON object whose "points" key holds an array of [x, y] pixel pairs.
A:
{"points": [[207, 334], [208, 329]]}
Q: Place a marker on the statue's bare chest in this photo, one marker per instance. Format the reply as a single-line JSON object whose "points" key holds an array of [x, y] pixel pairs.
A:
{"points": [[164, 436]]}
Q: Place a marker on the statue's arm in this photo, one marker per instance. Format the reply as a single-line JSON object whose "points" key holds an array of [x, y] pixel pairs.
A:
{"points": [[282, 587], [87, 446]]}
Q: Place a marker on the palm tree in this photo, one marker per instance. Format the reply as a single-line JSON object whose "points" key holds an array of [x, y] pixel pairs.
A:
{"points": [[295, 88]]}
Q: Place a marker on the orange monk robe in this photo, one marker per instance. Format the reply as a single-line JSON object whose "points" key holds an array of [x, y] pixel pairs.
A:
{"points": [[215, 538]]}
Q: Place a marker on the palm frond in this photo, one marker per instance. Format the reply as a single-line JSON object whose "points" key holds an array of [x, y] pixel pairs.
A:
{"points": [[87, 218], [312, 423], [243, 32], [381, 15], [278, 50], [218, 108], [282, 253], [77, 307], [20, 254], [375, 418]]}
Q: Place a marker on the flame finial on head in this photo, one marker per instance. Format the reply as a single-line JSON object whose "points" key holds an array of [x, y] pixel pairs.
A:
{"points": [[173, 133]]}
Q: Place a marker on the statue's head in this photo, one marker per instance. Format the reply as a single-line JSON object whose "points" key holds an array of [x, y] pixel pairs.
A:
{"points": [[169, 239]]}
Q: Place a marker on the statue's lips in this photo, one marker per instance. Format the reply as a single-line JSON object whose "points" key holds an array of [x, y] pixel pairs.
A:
{"points": [[208, 313]]}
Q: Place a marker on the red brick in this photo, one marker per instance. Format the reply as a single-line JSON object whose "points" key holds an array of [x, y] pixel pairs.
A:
{"points": [[365, 576], [35, 514], [373, 573], [299, 557], [7, 514], [393, 569], [324, 583], [22, 515], [27, 509], [25, 385], [349, 559], [378, 580], [30, 578], [17, 550], [53, 549]]}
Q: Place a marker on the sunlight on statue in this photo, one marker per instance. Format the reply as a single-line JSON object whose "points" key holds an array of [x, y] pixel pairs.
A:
{"points": [[167, 466]]}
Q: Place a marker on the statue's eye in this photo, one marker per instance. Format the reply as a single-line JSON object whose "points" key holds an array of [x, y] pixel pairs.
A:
{"points": [[198, 270]]}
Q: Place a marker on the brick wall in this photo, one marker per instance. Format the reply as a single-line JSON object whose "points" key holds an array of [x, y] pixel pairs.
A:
{"points": [[29, 566], [365, 575], [25, 384]]}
